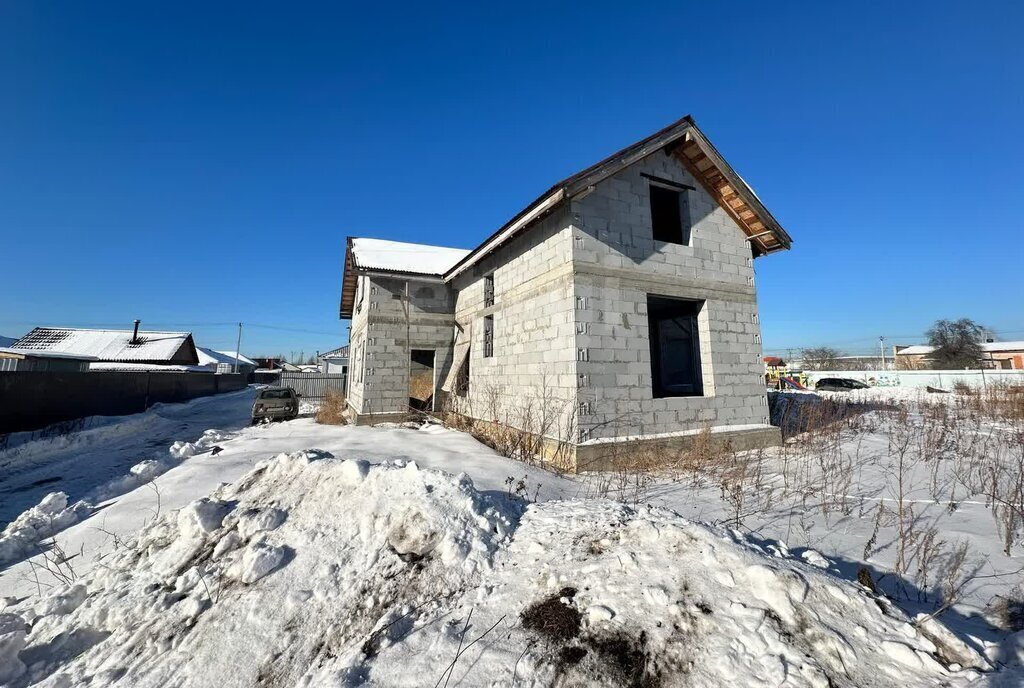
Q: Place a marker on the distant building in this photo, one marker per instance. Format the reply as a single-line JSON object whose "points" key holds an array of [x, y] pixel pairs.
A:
{"points": [[335, 362], [998, 355], [113, 346], [224, 361]]}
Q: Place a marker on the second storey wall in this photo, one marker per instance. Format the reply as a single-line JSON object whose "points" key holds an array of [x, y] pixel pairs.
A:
{"points": [[530, 381], [618, 265]]}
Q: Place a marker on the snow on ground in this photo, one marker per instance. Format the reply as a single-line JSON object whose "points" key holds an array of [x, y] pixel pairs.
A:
{"points": [[193, 469], [313, 570], [414, 546], [101, 449]]}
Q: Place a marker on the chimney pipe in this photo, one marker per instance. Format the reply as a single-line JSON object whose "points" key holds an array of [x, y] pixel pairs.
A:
{"points": [[135, 334]]}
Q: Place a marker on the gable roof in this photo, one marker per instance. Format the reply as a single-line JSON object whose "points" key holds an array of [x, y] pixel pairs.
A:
{"points": [[210, 357], [113, 345], [398, 257], [340, 352], [681, 139], [688, 144]]}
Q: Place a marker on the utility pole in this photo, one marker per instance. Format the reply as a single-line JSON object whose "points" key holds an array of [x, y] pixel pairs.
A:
{"points": [[238, 347], [881, 348]]}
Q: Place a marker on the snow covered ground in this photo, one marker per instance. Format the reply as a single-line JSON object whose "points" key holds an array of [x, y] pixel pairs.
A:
{"points": [[299, 554]]}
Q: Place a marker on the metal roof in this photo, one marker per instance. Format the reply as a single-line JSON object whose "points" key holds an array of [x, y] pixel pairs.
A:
{"points": [[112, 345]]}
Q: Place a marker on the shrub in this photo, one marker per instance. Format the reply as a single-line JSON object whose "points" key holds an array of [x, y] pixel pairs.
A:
{"points": [[332, 409]]}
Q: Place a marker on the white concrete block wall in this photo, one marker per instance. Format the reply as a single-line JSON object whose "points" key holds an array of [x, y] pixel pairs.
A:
{"points": [[383, 339], [534, 362], [617, 264], [570, 320]]}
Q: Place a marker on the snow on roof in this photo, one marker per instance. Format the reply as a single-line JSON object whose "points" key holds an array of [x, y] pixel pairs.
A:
{"points": [[105, 345], [120, 366], [380, 254], [340, 352], [241, 358], [44, 354], [1003, 346], [211, 357], [924, 349]]}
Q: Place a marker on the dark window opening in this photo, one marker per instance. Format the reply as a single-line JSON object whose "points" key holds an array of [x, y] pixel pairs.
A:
{"points": [[488, 336], [462, 378], [675, 347], [488, 291], [670, 215]]}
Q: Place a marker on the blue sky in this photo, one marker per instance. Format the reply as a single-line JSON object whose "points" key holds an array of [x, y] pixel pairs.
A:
{"points": [[199, 164]]}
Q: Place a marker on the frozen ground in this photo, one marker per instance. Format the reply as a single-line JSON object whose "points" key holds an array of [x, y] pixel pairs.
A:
{"points": [[313, 555]]}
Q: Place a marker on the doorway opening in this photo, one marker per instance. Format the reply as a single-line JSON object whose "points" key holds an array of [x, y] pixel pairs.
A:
{"points": [[421, 379]]}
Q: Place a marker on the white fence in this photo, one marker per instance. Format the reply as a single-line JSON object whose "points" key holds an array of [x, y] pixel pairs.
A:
{"points": [[943, 379]]}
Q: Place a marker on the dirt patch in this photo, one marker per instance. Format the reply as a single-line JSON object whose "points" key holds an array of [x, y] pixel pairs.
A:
{"points": [[616, 657], [628, 658], [553, 618]]}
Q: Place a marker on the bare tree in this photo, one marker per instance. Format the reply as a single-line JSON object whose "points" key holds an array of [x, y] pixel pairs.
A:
{"points": [[957, 344], [821, 358]]}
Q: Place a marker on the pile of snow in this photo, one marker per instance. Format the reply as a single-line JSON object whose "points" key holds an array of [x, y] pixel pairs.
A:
{"points": [[22, 536], [311, 570], [183, 450], [294, 565]]}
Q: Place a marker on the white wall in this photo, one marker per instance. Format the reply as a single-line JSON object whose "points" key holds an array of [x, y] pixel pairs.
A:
{"points": [[943, 379]]}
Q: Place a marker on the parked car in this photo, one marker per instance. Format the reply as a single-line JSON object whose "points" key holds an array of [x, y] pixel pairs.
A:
{"points": [[276, 403], [838, 384]]}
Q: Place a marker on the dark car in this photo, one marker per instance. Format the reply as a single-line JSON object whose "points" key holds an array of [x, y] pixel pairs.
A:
{"points": [[275, 403], [838, 384]]}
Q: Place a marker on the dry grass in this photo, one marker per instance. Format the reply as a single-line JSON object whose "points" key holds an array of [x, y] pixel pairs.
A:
{"points": [[332, 409]]}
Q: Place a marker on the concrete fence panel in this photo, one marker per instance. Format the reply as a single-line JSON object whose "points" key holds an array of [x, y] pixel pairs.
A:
{"points": [[943, 379]]}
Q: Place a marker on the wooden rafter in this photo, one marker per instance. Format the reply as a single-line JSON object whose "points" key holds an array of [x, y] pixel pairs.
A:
{"points": [[705, 170]]}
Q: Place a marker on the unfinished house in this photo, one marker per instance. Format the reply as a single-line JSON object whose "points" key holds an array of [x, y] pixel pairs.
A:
{"points": [[618, 307]]}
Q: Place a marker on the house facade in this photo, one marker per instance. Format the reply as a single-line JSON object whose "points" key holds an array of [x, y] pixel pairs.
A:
{"points": [[620, 305], [995, 355], [334, 362]]}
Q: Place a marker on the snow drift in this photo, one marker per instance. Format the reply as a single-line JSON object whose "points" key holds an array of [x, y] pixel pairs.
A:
{"points": [[312, 570]]}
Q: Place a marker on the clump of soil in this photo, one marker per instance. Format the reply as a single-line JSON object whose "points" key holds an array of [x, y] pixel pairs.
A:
{"points": [[620, 655], [627, 657], [553, 618]]}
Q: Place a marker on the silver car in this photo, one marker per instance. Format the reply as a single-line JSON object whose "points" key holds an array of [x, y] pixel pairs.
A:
{"points": [[275, 403]]}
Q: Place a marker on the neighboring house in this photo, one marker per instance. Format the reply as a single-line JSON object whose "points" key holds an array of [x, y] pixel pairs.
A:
{"points": [[28, 360], [842, 363], [114, 346], [619, 305], [224, 361], [1000, 355], [335, 362]]}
